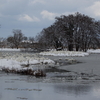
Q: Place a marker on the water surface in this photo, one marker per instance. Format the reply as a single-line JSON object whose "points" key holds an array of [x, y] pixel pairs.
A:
{"points": [[21, 87]]}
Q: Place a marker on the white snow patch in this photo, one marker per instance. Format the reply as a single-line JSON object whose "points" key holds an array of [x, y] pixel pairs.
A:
{"points": [[15, 61], [64, 53], [4, 63], [9, 49], [93, 51]]}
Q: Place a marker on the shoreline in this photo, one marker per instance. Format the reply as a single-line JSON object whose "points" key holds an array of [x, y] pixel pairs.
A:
{"points": [[87, 64]]}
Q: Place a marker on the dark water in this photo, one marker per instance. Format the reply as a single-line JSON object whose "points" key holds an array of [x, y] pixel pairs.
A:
{"points": [[20, 87]]}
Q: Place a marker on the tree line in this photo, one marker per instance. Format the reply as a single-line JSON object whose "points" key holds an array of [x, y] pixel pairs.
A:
{"points": [[75, 32], [17, 40]]}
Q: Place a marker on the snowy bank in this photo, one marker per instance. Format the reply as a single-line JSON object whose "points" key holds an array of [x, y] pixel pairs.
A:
{"points": [[93, 51], [23, 63], [64, 53], [9, 49], [20, 60]]}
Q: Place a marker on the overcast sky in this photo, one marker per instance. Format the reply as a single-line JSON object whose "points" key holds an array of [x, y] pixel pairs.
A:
{"points": [[31, 16]]}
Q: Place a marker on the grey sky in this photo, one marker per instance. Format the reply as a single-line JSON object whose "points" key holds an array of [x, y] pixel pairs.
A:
{"points": [[31, 16]]}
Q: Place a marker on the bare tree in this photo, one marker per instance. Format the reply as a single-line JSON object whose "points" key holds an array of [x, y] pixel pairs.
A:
{"points": [[76, 31], [1, 40], [16, 39], [10, 41]]}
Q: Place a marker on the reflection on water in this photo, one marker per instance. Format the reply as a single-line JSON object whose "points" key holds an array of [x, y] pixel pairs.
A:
{"points": [[73, 89], [17, 87]]}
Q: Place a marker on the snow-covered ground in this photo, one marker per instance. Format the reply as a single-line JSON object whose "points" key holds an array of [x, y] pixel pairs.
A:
{"points": [[9, 49], [59, 53], [9, 60], [94, 51], [65, 53], [70, 53]]}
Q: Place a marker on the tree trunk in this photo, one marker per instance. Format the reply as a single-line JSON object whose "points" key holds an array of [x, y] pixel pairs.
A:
{"points": [[70, 47]]}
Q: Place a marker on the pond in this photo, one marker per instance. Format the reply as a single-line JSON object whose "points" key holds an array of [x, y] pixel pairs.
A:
{"points": [[21, 87], [54, 86]]}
